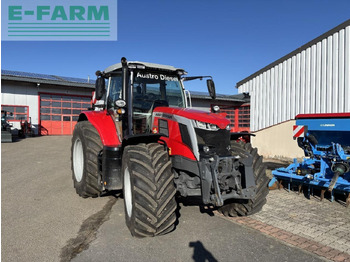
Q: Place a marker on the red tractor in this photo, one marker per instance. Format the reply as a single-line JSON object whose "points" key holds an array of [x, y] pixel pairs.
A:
{"points": [[140, 137]]}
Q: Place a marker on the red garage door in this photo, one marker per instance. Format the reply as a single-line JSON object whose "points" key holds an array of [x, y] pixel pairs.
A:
{"points": [[59, 113]]}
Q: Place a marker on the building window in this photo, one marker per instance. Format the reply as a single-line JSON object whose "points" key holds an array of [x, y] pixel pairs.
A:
{"points": [[239, 117], [244, 116], [18, 112]]}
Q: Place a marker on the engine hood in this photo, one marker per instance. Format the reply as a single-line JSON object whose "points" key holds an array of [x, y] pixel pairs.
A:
{"points": [[193, 114]]}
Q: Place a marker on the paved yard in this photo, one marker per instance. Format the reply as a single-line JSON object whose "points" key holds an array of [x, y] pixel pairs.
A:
{"points": [[44, 220], [319, 227], [325, 222]]}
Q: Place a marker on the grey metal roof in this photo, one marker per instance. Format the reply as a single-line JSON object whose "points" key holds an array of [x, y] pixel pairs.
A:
{"points": [[296, 51], [46, 79], [146, 64]]}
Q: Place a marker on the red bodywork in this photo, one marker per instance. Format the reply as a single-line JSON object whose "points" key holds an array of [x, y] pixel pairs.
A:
{"points": [[174, 141], [104, 124], [217, 119]]}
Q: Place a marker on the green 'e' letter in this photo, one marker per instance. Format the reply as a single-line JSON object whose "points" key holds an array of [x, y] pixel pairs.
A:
{"points": [[13, 14]]}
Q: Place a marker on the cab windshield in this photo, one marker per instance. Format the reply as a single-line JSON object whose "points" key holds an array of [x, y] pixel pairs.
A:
{"points": [[150, 87], [149, 91]]}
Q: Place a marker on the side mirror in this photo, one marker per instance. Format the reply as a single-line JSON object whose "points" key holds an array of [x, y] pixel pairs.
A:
{"points": [[211, 88], [99, 88]]}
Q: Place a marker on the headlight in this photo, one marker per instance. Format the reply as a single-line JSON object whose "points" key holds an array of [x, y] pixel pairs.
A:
{"points": [[120, 103], [206, 149], [206, 126], [228, 127], [201, 125]]}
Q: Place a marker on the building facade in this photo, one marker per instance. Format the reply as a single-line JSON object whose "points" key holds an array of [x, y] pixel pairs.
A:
{"points": [[52, 104], [314, 78]]}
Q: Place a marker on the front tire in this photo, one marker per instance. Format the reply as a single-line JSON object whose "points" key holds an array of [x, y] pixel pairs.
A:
{"points": [[86, 146], [149, 190], [248, 207]]}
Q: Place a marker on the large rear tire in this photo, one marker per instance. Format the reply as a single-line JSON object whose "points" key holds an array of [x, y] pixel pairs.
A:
{"points": [[86, 146], [149, 190], [236, 207]]}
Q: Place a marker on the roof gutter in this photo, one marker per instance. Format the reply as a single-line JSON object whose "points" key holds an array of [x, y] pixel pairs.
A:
{"points": [[43, 81]]}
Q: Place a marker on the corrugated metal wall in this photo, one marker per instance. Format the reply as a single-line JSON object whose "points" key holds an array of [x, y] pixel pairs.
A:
{"points": [[313, 79]]}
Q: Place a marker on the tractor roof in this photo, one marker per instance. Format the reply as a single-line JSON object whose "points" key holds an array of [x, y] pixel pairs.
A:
{"points": [[143, 65]]}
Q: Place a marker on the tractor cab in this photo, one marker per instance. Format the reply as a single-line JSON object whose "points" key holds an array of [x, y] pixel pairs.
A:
{"points": [[135, 89]]}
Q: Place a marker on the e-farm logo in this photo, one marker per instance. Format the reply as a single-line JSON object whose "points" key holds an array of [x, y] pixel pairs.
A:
{"points": [[73, 20]]}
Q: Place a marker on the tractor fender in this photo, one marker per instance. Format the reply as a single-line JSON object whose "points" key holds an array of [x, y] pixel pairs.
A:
{"points": [[104, 124]]}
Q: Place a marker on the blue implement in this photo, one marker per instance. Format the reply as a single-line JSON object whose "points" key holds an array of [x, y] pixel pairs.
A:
{"points": [[326, 145]]}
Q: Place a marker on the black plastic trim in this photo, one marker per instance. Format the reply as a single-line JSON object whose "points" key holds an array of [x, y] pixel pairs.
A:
{"points": [[183, 163], [141, 138], [185, 136], [111, 168], [163, 127]]}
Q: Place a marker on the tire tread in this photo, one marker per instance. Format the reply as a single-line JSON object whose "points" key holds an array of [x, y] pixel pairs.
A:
{"points": [[92, 145], [154, 190], [244, 208]]}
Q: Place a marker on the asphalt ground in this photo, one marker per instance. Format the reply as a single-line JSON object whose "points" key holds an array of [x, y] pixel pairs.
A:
{"points": [[43, 219], [199, 236], [40, 211]]}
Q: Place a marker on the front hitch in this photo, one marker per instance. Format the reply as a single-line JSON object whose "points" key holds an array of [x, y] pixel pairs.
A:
{"points": [[244, 183]]}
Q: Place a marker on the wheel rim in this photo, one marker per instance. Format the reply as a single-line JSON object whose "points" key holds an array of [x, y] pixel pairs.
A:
{"points": [[78, 160], [127, 192]]}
